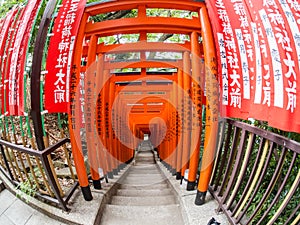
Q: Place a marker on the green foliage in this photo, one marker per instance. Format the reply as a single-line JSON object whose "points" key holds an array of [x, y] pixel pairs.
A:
{"points": [[272, 164], [26, 190], [264, 125], [8, 5]]}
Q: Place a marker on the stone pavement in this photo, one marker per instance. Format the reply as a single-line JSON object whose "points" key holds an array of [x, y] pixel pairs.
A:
{"points": [[14, 211]]}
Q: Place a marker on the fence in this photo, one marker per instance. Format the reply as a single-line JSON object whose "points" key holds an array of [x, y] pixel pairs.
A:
{"points": [[33, 171], [256, 176]]}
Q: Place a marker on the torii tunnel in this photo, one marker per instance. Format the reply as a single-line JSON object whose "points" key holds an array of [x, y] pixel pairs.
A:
{"points": [[161, 96], [236, 59]]}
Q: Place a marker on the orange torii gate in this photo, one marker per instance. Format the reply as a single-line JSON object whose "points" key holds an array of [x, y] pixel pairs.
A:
{"points": [[121, 103]]}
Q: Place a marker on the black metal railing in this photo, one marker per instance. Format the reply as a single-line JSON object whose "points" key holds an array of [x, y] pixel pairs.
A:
{"points": [[256, 175], [34, 170]]}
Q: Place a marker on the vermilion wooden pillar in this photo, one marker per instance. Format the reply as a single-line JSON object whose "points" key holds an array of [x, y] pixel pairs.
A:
{"points": [[74, 117], [105, 122], [180, 124], [99, 80], [197, 111], [89, 111], [112, 149], [187, 115], [212, 99]]}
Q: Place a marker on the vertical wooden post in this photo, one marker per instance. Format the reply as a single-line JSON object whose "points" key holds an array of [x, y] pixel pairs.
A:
{"points": [[99, 120], [105, 121], [197, 111], [75, 117], [212, 99], [186, 112], [110, 128], [180, 124], [89, 111]]}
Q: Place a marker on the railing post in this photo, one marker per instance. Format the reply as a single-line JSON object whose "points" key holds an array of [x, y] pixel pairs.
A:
{"points": [[52, 182], [6, 163], [36, 73]]}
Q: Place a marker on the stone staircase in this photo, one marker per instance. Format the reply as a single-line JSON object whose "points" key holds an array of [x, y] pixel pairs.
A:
{"points": [[143, 197]]}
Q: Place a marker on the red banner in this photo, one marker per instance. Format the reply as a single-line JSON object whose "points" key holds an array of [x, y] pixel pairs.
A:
{"points": [[18, 58], [4, 38], [8, 56], [57, 79], [259, 52]]}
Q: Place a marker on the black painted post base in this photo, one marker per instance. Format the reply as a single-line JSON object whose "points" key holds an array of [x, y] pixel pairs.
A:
{"points": [[87, 194], [178, 175], [115, 172], [191, 185], [122, 166], [106, 179], [200, 198], [110, 175], [173, 172], [168, 167], [97, 184]]}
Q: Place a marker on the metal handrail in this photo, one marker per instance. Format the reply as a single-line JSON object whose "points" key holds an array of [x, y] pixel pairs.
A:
{"points": [[252, 174], [43, 157]]}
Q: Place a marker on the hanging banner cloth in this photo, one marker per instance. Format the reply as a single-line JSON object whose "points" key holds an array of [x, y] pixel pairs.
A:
{"points": [[258, 46], [60, 54], [18, 58], [3, 55]]}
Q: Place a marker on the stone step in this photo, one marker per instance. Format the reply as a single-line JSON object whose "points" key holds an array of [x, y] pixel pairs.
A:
{"points": [[142, 193], [148, 152], [143, 201], [137, 163], [135, 181], [138, 171], [156, 186], [144, 163], [150, 161], [145, 154], [144, 175], [144, 179], [144, 159], [150, 166], [145, 215], [143, 196]]}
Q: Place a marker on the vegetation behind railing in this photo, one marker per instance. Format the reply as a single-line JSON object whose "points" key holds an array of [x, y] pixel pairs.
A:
{"points": [[46, 174], [256, 176]]}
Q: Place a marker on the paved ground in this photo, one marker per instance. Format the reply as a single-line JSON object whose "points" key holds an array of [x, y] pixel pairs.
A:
{"points": [[13, 211]]}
